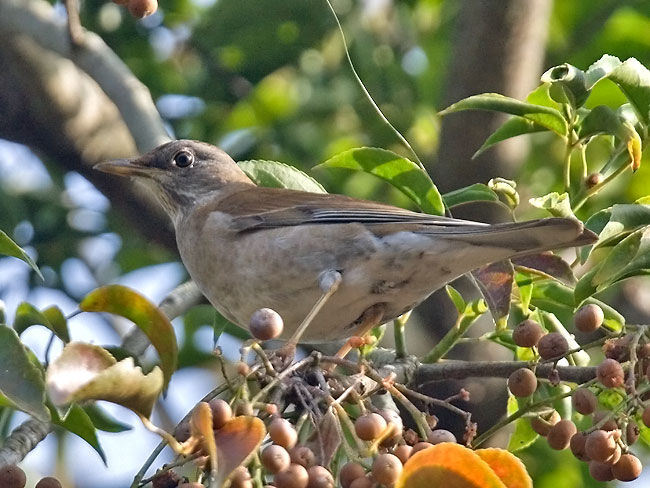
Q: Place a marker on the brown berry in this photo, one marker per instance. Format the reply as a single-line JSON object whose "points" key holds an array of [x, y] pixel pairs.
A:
{"points": [[266, 324], [241, 478], [600, 445], [142, 8], [295, 476], [394, 421], [403, 452], [439, 436], [618, 348], [12, 477], [302, 455], [319, 477], [610, 373], [363, 482], [370, 426], [542, 425], [282, 433], [589, 318], [350, 472], [610, 423], [594, 179], [628, 468], [645, 416], [600, 471], [632, 432], [559, 437], [527, 333], [552, 345], [221, 412], [420, 446], [522, 382], [584, 401], [48, 482], [275, 458], [577, 446], [182, 431], [386, 469]]}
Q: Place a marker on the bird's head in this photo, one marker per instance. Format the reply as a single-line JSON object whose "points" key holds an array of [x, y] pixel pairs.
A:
{"points": [[180, 173]]}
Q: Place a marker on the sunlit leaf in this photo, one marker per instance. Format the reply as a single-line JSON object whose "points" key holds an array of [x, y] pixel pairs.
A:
{"points": [[600, 70], [523, 435], [88, 372], [634, 81], [9, 248], [78, 422], [477, 192], [279, 175], [558, 205], [123, 301], [397, 170], [513, 127], [547, 117], [21, 380], [495, 281], [567, 84], [52, 318], [236, 442], [456, 298], [506, 190]]}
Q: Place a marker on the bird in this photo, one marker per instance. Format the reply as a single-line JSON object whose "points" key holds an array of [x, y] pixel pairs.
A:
{"points": [[330, 265]]}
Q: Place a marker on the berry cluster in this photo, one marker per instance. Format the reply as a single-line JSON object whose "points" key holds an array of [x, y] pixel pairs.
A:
{"points": [[14, 477]]}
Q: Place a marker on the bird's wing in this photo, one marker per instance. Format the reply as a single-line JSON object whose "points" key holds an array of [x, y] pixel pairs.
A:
{"points": [[267, 208]]}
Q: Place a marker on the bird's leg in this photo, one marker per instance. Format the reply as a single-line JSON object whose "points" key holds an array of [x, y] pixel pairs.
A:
{"points": [[328, 282], [372, 317]]}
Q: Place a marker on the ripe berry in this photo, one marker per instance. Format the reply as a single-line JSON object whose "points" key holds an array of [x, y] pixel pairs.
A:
{"points": [[542, 425], [439, 436], [522, 383], [594, 179], [527, 333], [645, 416], [584, 401], [302, 455], [600, 445], [610, 373], [577, 446], [589, 318], [420, 446], [618, 348], [275, 458], [403, 452], [632, 432], [386, 469], [48, 482], [364, 482], [610, 424], [12, 477], [370, 426], [241, 478], [394, 421], [142, 8], [319, 477], [221, 412], [600, 471], [350, 472], [282, 433], [266, 324], [552, 345], [560, 434], [628, 468], [295, 476]]}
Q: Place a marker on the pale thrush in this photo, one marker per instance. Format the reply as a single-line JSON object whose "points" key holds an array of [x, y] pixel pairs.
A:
{"points": [[363, 262]]}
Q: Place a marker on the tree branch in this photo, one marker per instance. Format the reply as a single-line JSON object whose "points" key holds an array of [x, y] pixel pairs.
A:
{"points": [[22, 440]]}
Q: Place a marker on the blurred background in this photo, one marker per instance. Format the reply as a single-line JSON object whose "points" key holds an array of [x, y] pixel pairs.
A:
{"points": [[268, 80]]}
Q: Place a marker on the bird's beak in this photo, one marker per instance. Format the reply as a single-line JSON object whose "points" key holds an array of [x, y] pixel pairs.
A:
{"points": [[124, 167]]}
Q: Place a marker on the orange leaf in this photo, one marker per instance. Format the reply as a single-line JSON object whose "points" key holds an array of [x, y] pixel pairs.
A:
{"points": [[236, 442], [507, 467], [449, 465]]}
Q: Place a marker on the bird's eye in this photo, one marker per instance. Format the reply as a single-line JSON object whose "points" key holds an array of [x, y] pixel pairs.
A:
{"points": [[183, 158]]}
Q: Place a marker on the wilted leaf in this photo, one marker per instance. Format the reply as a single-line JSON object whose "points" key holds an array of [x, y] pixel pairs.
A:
{"points": [[236, 442], [326, 439], [513, 127], [507, 466], [558, 205], [123, 301], [567, 84], [78, 422], [51, 317], [477, 192], [547, 117], [449, 465], [546, 264], [399, 171], [88, 372], [9, 248], [495, 281], [279, 175], [21, 380]]}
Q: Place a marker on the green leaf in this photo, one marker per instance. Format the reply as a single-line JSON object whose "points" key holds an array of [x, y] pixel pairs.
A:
{"points": [[602, 120], [523, 435], [547, 117], [506, 190], [9, 248], [525, 284], [600, 70], [21, 380], [399, 171], [88, 372], [585, 286], [52, 318], [473, 193], [634, 81], [123, 301], [513, 127], [623, 219], [78, 422], [456, 298], [596, 223], [274, 174], [104, 421], [567, 84], [555, 203]]}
